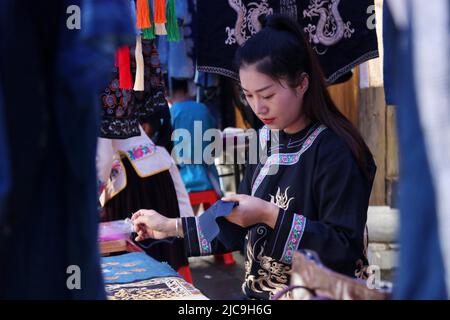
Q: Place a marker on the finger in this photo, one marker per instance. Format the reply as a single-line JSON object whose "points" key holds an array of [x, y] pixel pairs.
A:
{"points": [[233, 197], [139, 238], [142, 227], [137, 214], [142, 234]]}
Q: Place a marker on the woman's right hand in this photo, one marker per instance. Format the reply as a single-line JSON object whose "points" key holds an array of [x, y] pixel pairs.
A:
{"points": [[151, 224]]}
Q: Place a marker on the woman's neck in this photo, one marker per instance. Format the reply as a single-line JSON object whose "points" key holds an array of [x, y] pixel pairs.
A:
{"points": [[298, 125]]}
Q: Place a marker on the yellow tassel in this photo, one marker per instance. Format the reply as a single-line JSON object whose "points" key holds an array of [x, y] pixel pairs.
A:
{"points": [[142, 14]]}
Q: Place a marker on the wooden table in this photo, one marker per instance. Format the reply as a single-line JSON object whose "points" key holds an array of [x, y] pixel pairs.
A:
{"points": [[113, 246]]}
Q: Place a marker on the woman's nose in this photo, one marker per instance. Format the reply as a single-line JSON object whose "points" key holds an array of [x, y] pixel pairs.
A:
{"points": [[260, 107]]}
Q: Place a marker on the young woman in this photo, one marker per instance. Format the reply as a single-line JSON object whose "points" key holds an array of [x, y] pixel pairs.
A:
{"points": [[319, 196]]}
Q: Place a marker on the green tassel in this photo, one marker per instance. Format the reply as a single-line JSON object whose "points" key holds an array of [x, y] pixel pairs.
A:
{"points": [[149, 33], [173, 33]]}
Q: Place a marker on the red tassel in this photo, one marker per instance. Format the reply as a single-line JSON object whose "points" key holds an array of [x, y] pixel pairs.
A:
{"points": [[123, 61]]}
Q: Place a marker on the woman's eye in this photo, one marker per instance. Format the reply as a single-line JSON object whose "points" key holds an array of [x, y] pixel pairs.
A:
{"points": [[268, 97], [248, 96]]}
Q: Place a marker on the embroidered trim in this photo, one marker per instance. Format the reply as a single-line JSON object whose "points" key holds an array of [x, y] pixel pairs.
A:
{"points": [[264, 136], [116, 169], [100, 187], [186, 231], [264, 133], [365, 57], [204, 245], [285, 159], [295, 235], [222, 71], [141, 151]]}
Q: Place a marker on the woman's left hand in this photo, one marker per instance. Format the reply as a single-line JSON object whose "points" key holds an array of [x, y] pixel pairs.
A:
{"points": [[251, 211]]}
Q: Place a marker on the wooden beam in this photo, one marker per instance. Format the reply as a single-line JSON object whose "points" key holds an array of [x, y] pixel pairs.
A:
{"points": [[372, 125]]}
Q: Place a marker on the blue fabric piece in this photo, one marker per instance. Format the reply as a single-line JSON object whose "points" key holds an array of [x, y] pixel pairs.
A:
{"points": [[133, 16], [163, 50], [4, 160], [134, 266], [181, 8], [206, 80], [174, 58], [421, 269], [177, 56], [180, 66], [106, 24], [214, 224], [196, 177]]}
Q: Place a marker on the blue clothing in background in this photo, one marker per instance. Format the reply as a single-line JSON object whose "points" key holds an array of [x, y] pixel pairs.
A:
{"points": [[51, 77], [4, 160], [196, 177], [421, 270]]}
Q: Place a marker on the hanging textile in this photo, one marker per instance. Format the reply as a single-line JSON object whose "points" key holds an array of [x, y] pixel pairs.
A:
{"points": [[342, 33], [177, 56], [51, 77], [118, 113], [151, 105], [4, 159]]}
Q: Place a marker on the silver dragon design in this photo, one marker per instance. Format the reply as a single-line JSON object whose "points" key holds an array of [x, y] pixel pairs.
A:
{"points": [[330, 28], [247, 23]]}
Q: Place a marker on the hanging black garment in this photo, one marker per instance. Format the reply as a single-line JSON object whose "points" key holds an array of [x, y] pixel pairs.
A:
{"points": [[342, 33]]}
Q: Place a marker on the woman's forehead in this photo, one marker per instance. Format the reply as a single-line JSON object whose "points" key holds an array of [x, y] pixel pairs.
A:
{"points": [[253, 80]]}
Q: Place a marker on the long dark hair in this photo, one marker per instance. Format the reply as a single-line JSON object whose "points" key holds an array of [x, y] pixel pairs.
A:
{"points": [[281, 51]]}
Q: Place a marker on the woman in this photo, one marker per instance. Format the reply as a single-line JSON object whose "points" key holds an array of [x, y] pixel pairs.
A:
{"points": [[319, 196]]}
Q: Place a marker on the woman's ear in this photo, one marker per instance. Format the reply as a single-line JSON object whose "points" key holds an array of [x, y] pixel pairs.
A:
{"points": [[304, 83]]}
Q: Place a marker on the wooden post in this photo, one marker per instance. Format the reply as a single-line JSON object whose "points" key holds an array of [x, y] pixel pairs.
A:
{"points": [[346, 97], [372, 125], [392, 166]]}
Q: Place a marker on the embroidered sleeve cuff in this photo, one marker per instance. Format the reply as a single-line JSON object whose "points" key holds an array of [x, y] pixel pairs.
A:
{"points": [[286, 236], [194, 240]]}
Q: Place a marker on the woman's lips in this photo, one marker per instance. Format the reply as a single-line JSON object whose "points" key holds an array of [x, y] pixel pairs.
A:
{"points": [[268, 121]]}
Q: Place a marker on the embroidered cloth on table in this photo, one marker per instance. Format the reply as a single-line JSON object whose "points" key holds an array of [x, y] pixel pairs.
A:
{"points": [[133, 267], [214, 225], [165, 288]]}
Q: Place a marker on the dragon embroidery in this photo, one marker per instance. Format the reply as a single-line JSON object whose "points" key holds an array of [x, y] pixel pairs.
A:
{"points": [[330, 29], [247, 23]]}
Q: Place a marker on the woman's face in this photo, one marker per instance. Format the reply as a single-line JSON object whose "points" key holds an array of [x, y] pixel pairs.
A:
{"points": [[274, 102]]}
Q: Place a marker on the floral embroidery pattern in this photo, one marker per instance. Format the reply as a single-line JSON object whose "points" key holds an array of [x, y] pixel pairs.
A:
{"points": [[286, 159], [295, 235], [118, 112], [116, 169], [205, 245], [141, 151]]}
